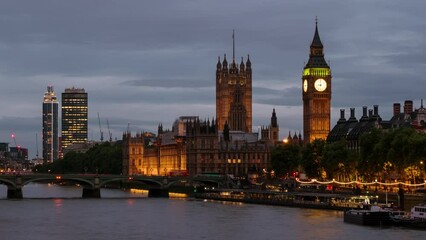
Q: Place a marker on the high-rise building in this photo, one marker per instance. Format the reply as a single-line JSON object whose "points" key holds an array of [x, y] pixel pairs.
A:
{"points": [[50, 126], [74, 117], [316, 85], [234, 94]]}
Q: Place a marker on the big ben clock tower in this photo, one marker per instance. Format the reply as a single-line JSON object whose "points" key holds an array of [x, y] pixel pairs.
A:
{"points": [[316, 91]]}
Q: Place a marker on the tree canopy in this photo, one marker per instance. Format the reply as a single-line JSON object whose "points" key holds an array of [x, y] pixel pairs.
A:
{"points": [[104, 158], [285, 159], [382, 154]]}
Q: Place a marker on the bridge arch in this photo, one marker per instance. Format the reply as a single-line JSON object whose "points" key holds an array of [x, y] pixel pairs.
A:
{"points": [[81, 181], [112, 180], [7, 182], [150, 182], [172, 182]]}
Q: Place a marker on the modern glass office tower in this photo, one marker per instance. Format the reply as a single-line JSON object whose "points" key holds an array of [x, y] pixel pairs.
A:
{"points": [[50, 126], [74, 117]]}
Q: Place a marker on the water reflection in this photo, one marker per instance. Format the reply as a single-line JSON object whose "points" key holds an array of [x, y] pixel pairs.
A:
{"points": [[58, 202], [130, 215], [50, 190]]}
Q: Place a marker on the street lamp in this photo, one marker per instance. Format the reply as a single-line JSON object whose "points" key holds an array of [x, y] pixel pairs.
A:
{"points": [[375, 189]]}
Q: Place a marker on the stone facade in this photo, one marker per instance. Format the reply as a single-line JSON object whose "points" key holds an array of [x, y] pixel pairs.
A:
{"points": [[316, 93], [147, 154], [201, 149], [352, 128], [226, 152], [234, 95]]}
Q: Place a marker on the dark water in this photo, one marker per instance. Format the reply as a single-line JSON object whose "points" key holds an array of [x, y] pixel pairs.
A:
{"points": [[126, 215]]}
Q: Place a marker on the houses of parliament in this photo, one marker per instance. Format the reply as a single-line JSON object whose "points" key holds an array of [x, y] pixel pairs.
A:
{"points": [[226, 144]]}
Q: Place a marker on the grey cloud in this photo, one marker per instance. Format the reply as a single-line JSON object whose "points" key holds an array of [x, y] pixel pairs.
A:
{"points": [[156, 95], [285, 97], [153, 54], [170, 83]]}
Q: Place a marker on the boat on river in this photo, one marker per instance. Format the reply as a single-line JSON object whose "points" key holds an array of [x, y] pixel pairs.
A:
{"points": [[375, 216], [415, 219]]}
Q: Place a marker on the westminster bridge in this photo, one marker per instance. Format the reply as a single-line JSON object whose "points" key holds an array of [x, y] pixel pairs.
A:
{"points": [[158, 186]]}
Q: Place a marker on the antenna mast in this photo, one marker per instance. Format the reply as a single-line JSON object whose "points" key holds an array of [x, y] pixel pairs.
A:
{"points": [[233, 45]]}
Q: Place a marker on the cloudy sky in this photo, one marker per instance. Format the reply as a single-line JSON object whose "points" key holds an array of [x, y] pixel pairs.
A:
{"points": [[146, 62]]}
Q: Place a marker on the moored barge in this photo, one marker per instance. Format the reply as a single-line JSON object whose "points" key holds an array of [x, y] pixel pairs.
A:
{"points": [[290, 199], [375, 216]]}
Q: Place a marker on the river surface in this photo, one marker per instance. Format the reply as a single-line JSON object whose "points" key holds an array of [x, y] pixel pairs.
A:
{"points": [[56, 212]]}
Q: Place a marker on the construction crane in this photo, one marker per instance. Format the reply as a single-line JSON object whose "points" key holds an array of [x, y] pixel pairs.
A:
{"points": [[109, 132], [14, 140], [18, 147], [100, 128]]}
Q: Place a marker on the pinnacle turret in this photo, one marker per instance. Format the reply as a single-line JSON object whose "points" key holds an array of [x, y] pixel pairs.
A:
{"points": [[225, 63], [248, 63]]}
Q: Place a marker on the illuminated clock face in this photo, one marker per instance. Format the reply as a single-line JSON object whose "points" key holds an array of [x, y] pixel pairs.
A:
{"points": [[320, 85], [305, 85]]}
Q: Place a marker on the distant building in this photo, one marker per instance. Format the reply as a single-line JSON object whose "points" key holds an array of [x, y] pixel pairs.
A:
{"points": [[50, 126], [147, 154], [270, 133], [295, 139], [352, 128], [4, 156], [18, 154], [234, 94], [226, 152], [316, 93], [180, 125], [79, 147], [74, 117], [4, 149], [409, 117], [199, 149]]}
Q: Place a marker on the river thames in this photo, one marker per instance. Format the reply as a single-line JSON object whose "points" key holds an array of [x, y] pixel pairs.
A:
{"points": [[56, 212]]}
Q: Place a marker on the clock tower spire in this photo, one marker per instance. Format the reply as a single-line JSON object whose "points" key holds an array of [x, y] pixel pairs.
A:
{"points": [[316, 92]]}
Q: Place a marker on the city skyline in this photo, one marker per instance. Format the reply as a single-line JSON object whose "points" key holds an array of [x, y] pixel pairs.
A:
{"points": [[149, 63]]}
